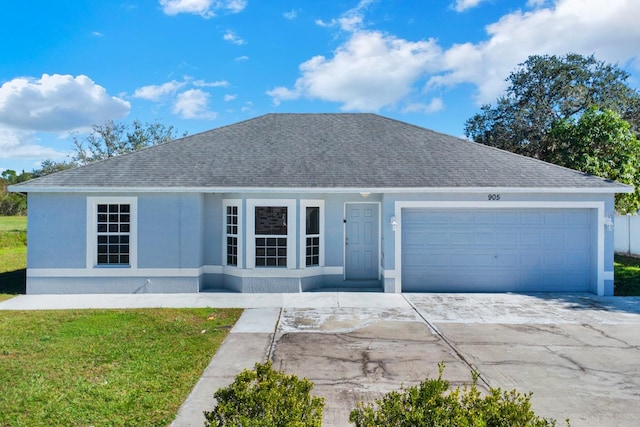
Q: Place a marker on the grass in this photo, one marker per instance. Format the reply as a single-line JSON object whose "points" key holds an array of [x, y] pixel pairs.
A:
{"points": [[13, 223], [104, 367], [13, 256], [627, 276]]}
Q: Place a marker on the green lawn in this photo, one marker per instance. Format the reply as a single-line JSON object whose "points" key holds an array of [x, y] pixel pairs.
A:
{"points": [[104, 367], [627, 276], [13, 255], [13, 223]]}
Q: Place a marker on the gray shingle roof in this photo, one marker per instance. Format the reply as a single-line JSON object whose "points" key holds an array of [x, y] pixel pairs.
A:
{"points": [[319, 151]]}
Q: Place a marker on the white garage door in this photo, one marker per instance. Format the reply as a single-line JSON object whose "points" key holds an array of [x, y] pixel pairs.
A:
{"points": [[464, 250]]}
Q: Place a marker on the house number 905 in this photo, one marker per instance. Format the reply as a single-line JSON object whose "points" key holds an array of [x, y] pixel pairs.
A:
{"points": [[493, 197]]}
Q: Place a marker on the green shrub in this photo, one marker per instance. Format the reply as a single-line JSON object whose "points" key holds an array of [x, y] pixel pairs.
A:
{"points": [[432, 403], [265, 397]]}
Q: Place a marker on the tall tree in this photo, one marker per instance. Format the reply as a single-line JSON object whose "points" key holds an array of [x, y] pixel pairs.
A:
{"points": [[115, 138], [574, 111], [545, 89], [600, 143]]}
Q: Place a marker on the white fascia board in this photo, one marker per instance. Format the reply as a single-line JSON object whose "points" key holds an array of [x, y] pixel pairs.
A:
{"points": [[622, 188]]}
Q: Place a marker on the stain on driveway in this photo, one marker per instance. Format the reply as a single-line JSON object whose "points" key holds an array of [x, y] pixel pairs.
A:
{"points": [[357, 354]]}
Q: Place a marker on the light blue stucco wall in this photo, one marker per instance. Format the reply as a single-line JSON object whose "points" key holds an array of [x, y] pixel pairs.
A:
{"points": [[170, 230], [56, 230], [183, 232]]}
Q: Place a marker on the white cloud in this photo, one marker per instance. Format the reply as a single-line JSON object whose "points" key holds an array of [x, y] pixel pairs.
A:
{"points": [[57, 103], [155, 92], [232, 37], [292, 14], [435, 105], [606, 28], [195, 7], [462, 5], [235, 6], [193, 104], [373, 70], [228, 98], [242, 58], [97, 34], [351, 20], [370, 71], [204, 8], [21, 144], [218, 83]]}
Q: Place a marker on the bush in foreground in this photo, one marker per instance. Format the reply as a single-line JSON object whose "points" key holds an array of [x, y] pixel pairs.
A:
{"points": [[265, 397], [432, 403]]}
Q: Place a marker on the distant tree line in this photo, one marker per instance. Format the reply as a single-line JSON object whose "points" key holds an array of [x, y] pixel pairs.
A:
{"points": [[103, 141]]}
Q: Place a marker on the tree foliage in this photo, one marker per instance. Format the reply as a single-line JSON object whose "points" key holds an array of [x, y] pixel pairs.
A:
{"points": [[12, 203], [116, 138], [600, 143], [549, 94]]}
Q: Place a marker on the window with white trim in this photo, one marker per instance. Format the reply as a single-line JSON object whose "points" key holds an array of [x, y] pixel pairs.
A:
{"points": [[272, 231], [113, 226], [232, 235], [312, 233], [271, 236], [112, 232]]}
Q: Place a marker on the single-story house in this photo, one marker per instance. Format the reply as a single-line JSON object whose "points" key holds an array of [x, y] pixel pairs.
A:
{"points": [[299, 202]]}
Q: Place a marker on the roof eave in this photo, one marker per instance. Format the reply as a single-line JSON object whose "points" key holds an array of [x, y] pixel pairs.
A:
{"points": [[620, 188]]}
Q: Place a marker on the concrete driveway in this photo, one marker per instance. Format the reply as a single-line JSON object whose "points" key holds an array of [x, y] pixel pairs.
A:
{"points": [[578, 354]]}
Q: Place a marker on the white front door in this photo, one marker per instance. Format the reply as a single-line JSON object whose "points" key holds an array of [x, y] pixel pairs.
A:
{"points": [[361, 241]]}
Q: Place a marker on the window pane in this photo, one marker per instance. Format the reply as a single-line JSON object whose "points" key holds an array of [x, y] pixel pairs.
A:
{"points": [[113, 227], [313, 220], [271, 252], [271, 220]]}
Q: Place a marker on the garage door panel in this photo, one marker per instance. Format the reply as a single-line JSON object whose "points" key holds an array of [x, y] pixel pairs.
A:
{"points": [[530, 239], [497, 250], [484, 238], [507, 217], [508, 260], [461, 238], [529, 218], [555, 238], [506, 239]]}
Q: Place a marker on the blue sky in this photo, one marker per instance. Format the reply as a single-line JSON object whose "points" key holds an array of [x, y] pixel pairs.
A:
{"points": [[201, 64]]}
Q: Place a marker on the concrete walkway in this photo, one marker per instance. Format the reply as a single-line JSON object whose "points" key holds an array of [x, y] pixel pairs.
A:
{"points": [[578, 353]]}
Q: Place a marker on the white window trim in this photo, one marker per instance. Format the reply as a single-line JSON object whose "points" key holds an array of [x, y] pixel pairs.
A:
{"points": [[238, 203], [292, 228], [92, 231], [304, 204]]}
